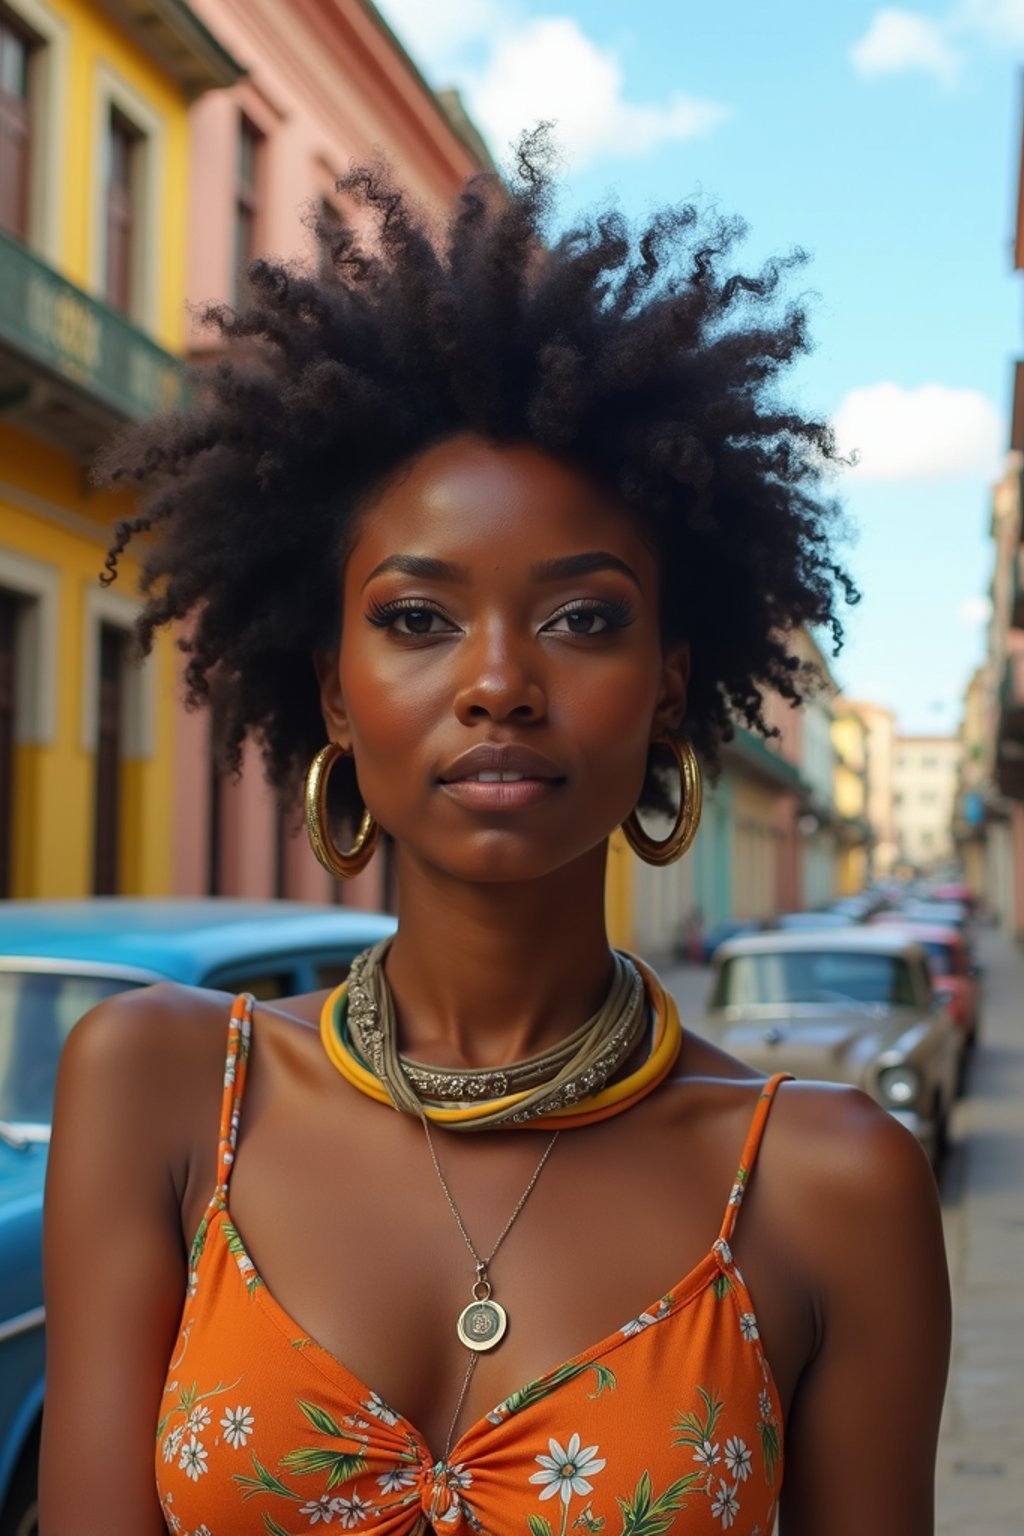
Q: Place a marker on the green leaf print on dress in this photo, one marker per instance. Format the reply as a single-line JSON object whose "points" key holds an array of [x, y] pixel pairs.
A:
{"points": [[643, 1515], [534, 1391]]}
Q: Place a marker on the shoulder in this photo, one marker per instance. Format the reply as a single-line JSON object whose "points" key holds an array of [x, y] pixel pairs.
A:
{"points": [[151, 1058], [147, 1032], [848, 1187]]}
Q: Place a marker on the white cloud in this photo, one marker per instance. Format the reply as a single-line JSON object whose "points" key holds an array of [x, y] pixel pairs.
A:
{"points": [[549, 68], [929, 433], [973, 612], [514, 71], [897, 41]]}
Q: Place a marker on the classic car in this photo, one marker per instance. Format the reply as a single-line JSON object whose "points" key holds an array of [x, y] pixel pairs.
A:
{"points": [[853, 1005], [57, 960]]}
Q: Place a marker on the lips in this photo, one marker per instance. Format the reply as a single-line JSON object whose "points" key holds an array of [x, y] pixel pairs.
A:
{"points": [[490, 763]]}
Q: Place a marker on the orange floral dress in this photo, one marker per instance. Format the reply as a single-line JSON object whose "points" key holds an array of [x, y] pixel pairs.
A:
{"points": [[671, 1424]]}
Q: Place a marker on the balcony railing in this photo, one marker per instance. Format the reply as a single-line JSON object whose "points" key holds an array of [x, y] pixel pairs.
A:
{"points": [[52, 332]]}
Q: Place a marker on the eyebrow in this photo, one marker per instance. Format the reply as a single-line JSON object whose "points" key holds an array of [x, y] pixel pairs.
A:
{"points": [[568, 566], [563, 568], [422, 566]]}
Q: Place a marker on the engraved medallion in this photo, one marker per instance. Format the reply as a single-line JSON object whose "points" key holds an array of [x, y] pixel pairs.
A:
{"points": [[482, 1324]]}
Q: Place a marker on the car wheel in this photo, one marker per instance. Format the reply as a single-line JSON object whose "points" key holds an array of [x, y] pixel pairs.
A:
{"points": [[20, 1515]]}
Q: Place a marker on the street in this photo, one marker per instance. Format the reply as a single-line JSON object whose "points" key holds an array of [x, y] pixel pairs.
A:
{"points": [[980, 1478]]}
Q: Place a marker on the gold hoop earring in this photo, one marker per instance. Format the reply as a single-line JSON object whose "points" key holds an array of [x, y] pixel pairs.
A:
{"points": [[691, 797], [355, 859]]}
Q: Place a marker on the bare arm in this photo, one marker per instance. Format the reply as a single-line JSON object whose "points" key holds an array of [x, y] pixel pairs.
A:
{"points": [[860, 1453], [114, 1266]]}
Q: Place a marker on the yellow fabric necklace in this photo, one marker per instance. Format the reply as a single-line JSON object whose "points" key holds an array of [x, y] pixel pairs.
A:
{"points": [[610, 1100]]}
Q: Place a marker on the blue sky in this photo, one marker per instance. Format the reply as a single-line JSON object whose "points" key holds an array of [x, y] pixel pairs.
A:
{"points": [[884, 140]]}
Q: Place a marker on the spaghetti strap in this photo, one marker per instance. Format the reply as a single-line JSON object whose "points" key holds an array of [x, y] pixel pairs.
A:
{"points": [[751, 1147], [235, 1065]]}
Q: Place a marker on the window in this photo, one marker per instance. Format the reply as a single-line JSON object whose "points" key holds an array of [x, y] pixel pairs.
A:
{"points": [[247, 200], [123, 145], [109, 746], [16, 48], [8, 624]]}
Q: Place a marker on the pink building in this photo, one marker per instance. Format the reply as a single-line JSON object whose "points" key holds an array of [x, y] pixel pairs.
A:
{"points": [[327, 83]]}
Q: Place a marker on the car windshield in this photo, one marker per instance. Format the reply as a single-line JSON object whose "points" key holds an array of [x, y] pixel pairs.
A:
{"points": [[37, 1010], [814, 976]]}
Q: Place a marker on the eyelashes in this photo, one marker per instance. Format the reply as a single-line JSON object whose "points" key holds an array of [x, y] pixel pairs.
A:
{"points": [[420, 616]]}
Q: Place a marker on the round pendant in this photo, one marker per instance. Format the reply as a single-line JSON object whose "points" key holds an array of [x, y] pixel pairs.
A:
{"points": [[482, 1324]]}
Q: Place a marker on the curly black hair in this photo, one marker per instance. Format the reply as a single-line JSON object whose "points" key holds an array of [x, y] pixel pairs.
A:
{"points": [[640, 358]]}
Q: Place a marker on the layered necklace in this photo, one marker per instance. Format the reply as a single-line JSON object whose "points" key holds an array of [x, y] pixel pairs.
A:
{"points": [[567, 1086], [570, 1085]]}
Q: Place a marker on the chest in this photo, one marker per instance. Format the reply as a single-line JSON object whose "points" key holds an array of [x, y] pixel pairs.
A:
{"points": [[357, 1248]]}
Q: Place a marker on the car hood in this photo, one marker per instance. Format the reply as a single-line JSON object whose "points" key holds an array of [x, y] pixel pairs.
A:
{"points": [[837, 1047]]}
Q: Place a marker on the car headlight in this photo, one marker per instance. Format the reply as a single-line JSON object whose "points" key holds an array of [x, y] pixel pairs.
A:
{"points": [[899, 1086]]}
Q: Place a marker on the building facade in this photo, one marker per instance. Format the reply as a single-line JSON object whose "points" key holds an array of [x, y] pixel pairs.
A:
{"points": [[94, 165], [326, 84], [926, 769], [851, 748]]}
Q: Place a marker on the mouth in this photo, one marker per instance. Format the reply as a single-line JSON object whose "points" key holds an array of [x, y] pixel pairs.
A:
{"points": [[501, 777]]}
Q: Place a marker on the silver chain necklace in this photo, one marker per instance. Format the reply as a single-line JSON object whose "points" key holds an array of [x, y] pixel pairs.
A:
{"points": [[483, 1321]]}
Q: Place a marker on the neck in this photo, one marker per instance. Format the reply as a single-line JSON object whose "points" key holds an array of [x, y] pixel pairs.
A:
{"points": [[484, 975]]}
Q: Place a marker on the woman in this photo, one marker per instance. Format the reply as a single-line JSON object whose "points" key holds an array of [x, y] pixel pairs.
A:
{"points": [[513, 527]]}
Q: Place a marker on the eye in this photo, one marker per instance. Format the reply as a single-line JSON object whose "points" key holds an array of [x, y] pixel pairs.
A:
{"points": [[586, 619], [409, 620]]}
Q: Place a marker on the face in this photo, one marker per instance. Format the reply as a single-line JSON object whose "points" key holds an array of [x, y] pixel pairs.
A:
{"points": [[501, 672]]}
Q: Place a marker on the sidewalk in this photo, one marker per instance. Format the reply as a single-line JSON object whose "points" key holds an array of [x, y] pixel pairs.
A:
{"points": [[980, 1478], [981, 1452]]}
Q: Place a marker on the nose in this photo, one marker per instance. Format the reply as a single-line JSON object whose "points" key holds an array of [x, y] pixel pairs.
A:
{"points": [[500, 680]]}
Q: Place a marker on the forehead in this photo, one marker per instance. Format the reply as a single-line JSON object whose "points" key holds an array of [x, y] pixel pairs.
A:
{"points": [[472, 501]]}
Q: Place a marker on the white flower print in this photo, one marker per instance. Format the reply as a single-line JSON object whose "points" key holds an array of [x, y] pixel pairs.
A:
{"points": [[172, 1442], [172, 1521], [764, 1406], [198, 1419], [202, 1530], [707, 1455], [396, 1478], [725, 1505], [237, 1425], [723, 1250], [193, 1459], [565, 1472], [736, 1194], [637, 1324], [738, 1459], [323, 1508], [748, 1326], [458, 1477], [351, 1511], [380, 1410]]}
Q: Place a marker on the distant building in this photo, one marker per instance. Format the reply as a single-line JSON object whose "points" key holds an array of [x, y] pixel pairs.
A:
{"points": [[850, 744], [880, 747], [924, 781], [94, 164]]}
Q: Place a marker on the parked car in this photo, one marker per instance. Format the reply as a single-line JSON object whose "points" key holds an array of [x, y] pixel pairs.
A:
{"points": [[728, 928], [953, 975], [854, 1005], [57, 960], [794, 921]]}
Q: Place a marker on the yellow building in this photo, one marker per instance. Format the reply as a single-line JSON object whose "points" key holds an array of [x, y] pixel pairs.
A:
{"points": [[850, 747], [94, 151]]}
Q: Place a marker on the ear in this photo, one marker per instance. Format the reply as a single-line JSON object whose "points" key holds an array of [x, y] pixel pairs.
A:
{"points": [[332, 702], [675, 677]]}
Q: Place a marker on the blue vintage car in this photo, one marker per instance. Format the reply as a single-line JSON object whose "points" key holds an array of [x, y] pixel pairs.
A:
{"points": [[57, 960]]}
